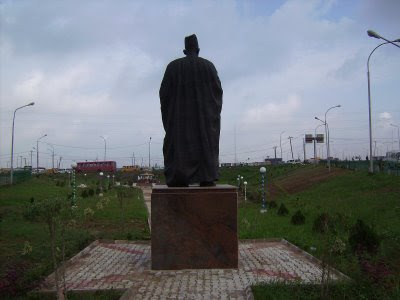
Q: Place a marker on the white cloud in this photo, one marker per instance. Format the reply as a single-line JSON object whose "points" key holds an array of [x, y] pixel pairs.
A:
{"points": [[385, 116], [272, 111]]}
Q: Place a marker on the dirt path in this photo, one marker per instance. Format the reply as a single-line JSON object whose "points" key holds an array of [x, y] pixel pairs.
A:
{"points": [[302, 179]]}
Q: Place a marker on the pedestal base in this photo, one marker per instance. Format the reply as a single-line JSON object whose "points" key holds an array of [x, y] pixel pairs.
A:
{"points": [[194, 228]]}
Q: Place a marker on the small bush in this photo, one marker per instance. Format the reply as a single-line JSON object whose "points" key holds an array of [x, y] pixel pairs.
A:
{"points": [[323, 223], [272, 204], [98, 190], [282, 210], [298, 218], [85, 193], [91, 192], [255, 196], [32, 200], [363, 238]]}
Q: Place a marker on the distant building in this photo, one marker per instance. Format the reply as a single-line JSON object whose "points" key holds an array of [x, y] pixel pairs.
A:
{"points": [[96, 166], [273, 161]]}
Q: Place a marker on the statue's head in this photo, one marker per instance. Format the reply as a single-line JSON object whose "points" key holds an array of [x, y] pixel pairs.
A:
{"points": [[191, 45]]}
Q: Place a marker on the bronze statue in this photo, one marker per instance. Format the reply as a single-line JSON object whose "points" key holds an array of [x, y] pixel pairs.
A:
{"points": [[191, 102]]}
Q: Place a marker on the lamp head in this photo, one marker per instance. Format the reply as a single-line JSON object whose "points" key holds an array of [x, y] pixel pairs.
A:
{"points": [[397, 41], [263, 170], [373, 34], [338, 105], [32, 103], [73, 165]]}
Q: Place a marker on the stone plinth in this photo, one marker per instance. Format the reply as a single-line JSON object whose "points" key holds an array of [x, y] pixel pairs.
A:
{"points": [[194, 228]]}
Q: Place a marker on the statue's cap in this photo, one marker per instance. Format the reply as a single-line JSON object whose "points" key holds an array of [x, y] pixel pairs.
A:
{"points": [[191, 42]]}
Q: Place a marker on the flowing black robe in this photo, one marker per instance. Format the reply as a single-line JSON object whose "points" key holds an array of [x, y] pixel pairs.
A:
{"points": [[191, 102]]}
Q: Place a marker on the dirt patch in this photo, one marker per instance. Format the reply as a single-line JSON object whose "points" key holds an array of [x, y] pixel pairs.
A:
{"points": [[301, 180]]}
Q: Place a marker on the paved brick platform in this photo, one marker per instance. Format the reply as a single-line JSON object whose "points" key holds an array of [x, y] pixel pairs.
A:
{"points": [[126, 265]]}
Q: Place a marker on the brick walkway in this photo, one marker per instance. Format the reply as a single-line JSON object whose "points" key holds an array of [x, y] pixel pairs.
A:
{"points": [[126, 265]]}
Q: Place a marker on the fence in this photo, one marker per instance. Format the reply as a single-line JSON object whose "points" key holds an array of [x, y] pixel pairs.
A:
{"points": [[380, 166], [18, 177]]}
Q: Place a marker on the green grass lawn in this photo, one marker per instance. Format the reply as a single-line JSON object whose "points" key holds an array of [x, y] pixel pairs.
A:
{"points": [[24, 244], [346, 197]]}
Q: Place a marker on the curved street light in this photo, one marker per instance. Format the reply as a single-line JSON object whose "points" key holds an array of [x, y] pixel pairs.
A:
{"points": [[12, 142], [328, 150], [315, 143], [377, 36]]}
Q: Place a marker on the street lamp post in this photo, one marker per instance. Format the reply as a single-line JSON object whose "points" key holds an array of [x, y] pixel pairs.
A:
{"points": [[101, 182], [37, 153], [377, 36], [263, 209], [12, 142], [73, 166], [245, 191], [315, 143], [149, 153], [280, 143], [398, 133], [105, 147], [328, 153]]}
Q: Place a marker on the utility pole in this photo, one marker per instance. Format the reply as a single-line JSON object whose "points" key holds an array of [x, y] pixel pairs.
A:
{"points": [[234, 138], [37, 153], [25, 160], [31, 159], [149, 153], [275, 150], [105, 147], [21, 160], [59, 162], [304, 149], [280, 143], [291, 148], [134, 158]]}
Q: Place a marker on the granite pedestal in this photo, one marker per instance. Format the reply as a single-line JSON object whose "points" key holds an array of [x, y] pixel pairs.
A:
{"points": [[194, 228]]}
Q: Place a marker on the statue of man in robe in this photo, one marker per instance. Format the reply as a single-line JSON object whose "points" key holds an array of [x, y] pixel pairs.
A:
{"points": [[191, 103]]}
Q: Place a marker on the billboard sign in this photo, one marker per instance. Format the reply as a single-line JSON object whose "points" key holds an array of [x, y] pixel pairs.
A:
{"points": [[309, 138], [320, 138]]}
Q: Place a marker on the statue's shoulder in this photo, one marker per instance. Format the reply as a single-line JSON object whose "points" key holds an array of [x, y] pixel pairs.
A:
{"points": [[175, 62]]}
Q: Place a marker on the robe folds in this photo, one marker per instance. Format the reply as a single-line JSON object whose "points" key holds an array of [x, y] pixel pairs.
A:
{"points": [[191, 103]]}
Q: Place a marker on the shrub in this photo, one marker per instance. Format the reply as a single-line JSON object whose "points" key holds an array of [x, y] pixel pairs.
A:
{"points": [[98, 190], [84, 193], [88, 212], [31, 200], [298, 218], [272, 204], [255, 196], [91, 192], [363, 238], [282, 210], [323, 223]]}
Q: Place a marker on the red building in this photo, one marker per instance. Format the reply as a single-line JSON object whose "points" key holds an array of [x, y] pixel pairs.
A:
{"points": [[96, 166]]}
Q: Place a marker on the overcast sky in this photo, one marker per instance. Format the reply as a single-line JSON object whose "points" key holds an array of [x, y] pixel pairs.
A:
{"points": [[94, 69]]}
